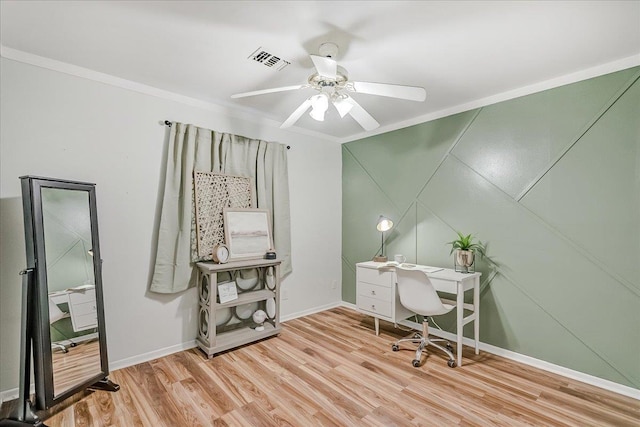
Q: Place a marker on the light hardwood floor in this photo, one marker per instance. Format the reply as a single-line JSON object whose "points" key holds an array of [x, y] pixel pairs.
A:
{"points": [[331, 369], [79, 364]]}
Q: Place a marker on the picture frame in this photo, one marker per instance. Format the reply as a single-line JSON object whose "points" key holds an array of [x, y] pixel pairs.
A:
{"points": [[247, 233]]}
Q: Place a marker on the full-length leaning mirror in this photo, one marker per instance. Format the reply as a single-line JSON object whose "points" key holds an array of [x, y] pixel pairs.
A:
{"points": [[67, 322]]}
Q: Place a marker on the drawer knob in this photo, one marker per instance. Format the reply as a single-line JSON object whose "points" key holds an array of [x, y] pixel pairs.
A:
{"points": [[373, 292], [373, 306]]}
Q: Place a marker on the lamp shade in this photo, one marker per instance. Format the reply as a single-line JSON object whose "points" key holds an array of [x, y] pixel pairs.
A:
{"points": [[384, 224], [320, 104]]}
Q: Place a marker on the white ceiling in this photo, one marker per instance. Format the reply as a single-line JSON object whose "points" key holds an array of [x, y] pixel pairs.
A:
{"points": [[461, 52]]}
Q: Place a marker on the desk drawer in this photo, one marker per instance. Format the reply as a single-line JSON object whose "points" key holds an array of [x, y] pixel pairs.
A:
{"points": [[375, 276], [80, 297], [84, 308], [374, 306], [374, 291], [441, 285], [85, 321]]}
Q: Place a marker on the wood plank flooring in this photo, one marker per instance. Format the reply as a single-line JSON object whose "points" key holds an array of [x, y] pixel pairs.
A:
{"points": [[79, 364], [330, 369]]}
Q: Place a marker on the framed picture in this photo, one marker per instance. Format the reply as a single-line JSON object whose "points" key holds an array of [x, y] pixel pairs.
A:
{"points": [[247, 232]]}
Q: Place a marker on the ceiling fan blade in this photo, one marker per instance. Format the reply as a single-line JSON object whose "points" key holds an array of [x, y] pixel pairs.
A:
{"points": [[361, 116], [296, 114], [343, 106], [264, 91], [326, 67], [412, 93]]}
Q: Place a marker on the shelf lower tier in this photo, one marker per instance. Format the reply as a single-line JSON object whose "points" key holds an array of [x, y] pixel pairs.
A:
{"points": [[248, 297], [238, 337]]}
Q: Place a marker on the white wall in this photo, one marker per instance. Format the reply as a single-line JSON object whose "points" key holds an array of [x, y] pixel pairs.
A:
{"points": [[63, 126]]}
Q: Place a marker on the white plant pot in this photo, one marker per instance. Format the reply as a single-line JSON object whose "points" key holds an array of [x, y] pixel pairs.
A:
{"points": [[464, 258]]}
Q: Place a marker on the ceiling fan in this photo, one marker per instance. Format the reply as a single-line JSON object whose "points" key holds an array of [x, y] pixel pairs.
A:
{"points": [[332, 83]]}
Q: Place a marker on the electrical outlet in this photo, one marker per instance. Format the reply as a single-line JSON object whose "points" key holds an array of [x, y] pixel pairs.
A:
{"points": [[284, 294]]}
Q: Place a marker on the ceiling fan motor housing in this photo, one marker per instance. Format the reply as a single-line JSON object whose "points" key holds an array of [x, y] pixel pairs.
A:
{"points": [[328, 50], [332, 83]]}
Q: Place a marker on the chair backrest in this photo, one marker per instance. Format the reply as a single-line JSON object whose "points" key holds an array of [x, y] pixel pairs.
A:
{"points": [[418, 294], [55, 313]]}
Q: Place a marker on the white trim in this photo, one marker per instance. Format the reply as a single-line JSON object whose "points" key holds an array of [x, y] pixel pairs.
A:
{"points": [[599, 70], [155, 354], [251, 115], [13, 393], [118, 364], [559, 370], [507, 354], [311, 311], [530, 361], [349, 305], [152, 355], [227, 109]]}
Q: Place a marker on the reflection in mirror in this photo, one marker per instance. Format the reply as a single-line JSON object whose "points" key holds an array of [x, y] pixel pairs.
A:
{"points": [[71, 287]]}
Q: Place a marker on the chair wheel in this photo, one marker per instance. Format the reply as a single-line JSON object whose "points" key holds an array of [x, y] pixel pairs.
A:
{"points": [[449, 346], [395, 347], [73, 344], [417, 336], [415, 363], [451, 363]]}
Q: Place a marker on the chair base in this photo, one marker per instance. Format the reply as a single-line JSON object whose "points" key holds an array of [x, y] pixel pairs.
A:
{"points": [[423, 341]]}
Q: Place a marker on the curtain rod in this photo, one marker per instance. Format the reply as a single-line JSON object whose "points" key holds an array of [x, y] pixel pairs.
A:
{"points": [[168, 123]]}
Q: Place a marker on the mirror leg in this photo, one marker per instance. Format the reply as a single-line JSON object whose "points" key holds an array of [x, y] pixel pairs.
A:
{"points": [[105, 385], [14, 423], [22, 413]]}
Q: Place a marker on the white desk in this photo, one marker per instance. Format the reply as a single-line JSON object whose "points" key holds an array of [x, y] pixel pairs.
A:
{"points": [[377, 296], [82, 306]]}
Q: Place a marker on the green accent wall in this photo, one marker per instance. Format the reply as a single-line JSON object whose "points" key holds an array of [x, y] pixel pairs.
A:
{"points": [[552, 182]]}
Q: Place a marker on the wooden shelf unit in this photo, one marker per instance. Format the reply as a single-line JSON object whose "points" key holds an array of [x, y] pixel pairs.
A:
{"points": [[211, 338]]}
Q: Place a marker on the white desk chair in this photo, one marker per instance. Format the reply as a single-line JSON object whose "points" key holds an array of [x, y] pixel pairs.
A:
{"points": [[56, 314], [418, 295]]}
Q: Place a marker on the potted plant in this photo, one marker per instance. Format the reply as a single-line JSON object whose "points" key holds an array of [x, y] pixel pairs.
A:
{"points": [[465, 250]]}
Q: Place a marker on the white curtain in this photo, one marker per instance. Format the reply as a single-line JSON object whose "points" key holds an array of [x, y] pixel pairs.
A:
{"points": [[193, 148]]}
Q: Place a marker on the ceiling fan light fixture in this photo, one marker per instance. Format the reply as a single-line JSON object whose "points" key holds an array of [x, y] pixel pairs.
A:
{"points": [[319, 104], [342, 105], [331, 81]]}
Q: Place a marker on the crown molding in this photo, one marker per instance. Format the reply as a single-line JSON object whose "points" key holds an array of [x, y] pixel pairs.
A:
{"points": [[599, 70], [86, 73], [255, 117]]}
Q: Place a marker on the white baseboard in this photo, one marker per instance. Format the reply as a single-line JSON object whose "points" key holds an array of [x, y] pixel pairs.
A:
{"points": [[311, 311], [531, 361], [348, 305], [507, 354], [8, 395], [118, 364], [145, 357], [560, 370], [155, 354]]}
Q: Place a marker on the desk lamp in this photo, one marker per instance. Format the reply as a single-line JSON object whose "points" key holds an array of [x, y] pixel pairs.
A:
{"points": [[384, 224]]}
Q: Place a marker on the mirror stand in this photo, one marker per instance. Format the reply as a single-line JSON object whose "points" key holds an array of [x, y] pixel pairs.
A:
{"points": [[104, 385], [62, 320], [23, 413]]}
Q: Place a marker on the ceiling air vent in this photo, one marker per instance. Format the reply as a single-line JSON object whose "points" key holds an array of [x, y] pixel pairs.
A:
{"points": [[268, 59]]}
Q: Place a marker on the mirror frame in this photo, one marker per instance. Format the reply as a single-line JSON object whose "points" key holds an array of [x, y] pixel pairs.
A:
{"points": [[36, 259]]}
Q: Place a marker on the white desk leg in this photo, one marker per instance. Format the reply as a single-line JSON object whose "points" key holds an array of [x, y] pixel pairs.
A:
{"points": [[459, 315], [377, 322], [476, 313]]}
